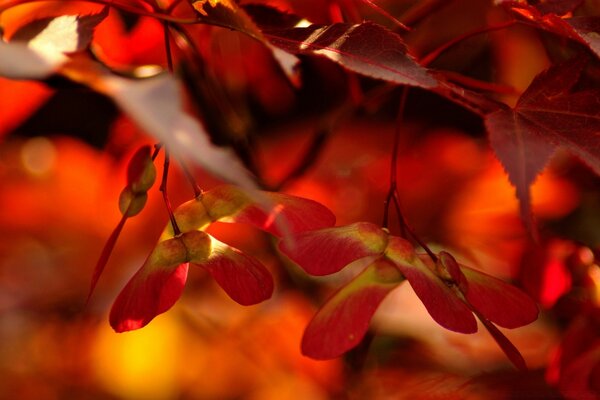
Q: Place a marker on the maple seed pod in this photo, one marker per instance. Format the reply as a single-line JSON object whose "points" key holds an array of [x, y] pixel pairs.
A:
{"points": [[447, 268], [130, 203], [169, 253], [141, 172], [400, 250], [190, 216], [198, 245]]}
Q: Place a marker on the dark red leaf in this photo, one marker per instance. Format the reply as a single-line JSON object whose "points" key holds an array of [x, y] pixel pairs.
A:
{"points": [[228, 14], [366, 48], [501, 303], [343, 321], [558, 7], [546, 116], [588, 28], [243, 278], [584, 31], [326, 251]]}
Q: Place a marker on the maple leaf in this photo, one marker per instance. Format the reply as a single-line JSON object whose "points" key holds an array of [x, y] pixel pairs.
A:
{"points": [[160, 281], [451, 293], [584, 30], [546, 116], [38, 49], [228, 14], [366, 48]]}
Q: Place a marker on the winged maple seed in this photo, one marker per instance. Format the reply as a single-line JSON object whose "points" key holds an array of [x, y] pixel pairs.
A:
{"points": [[141, 175], [160, 281], [452, 293]]}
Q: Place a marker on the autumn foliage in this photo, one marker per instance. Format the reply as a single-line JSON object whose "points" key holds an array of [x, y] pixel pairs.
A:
{"points": [[320, 199]]}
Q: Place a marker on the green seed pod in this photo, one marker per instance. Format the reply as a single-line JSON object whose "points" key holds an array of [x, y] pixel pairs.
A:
{"points": [[198, 245], [130, 203], [141, 172], [169, 253]]}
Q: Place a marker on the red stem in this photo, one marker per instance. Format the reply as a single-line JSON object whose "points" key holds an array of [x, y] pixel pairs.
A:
{"points": [[394, 160], [163, 189], [386, 14], [168, 47]]}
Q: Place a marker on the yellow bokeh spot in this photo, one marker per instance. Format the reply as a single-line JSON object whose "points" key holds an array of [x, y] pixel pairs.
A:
{"points": [[141, 364]]}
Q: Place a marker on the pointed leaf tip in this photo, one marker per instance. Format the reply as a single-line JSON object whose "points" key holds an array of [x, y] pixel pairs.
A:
{"points": [[344, 320]]}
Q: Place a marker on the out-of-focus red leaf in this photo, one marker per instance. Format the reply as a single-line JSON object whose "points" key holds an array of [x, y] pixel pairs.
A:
{"points": [[228, 14], [506, 345], [546, 116], [558, 7], [579, 379], [441, 302], [124, 48], [588, 28], [242, 277], [366, 48], [344, 319], [23, 98], [158, 284], [326, 251], [501, 303], [580, 29]]}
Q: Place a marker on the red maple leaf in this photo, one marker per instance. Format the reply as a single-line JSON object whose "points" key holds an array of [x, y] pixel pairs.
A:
{"points": [[547, 116]]}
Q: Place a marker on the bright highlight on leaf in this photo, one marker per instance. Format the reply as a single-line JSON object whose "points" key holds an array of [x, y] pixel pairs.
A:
{"points": [[39, 48], [452, 294], [352, 47]]}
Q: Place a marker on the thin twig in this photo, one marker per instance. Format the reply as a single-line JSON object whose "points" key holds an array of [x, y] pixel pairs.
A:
{"points": [[163, 189]]}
